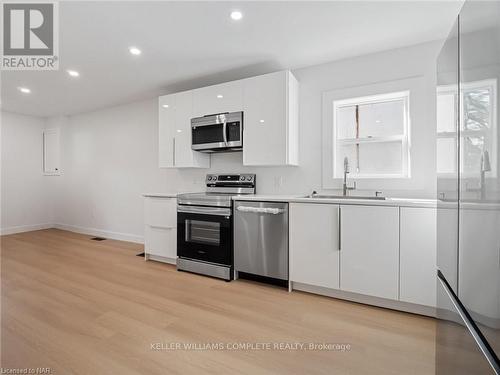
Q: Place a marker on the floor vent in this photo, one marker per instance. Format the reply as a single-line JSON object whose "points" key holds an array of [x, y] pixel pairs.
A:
{"points": [[98, 239]]}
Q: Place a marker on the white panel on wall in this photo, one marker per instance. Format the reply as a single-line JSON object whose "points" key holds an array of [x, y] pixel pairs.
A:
{"points": [[51, 152]]}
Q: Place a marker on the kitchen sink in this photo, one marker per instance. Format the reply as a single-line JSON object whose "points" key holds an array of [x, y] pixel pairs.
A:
{"points": [[320, 196]]}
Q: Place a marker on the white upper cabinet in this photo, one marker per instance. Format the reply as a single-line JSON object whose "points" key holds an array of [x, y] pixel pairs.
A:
{"points": [[314, 244], [174, 130], [418, 255], [270, 120], [369, 250], [270, 104], [226, 97], [166, 136]]}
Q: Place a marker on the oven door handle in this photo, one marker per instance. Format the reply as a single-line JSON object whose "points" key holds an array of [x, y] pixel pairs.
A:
{"points": [[204, 210]]}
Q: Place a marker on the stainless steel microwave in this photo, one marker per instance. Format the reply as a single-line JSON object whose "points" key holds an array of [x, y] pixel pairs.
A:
{"points": [[217, 133]]}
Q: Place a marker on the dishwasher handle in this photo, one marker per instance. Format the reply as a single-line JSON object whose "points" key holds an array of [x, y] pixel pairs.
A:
{"points": [[261, 210]]}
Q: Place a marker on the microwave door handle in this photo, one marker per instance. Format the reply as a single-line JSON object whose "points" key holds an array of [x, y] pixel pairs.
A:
{"points": [[224, 132]]}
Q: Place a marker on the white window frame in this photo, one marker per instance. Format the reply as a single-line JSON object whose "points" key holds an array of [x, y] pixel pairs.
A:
{"points": [[403, 138], [452, 89]]}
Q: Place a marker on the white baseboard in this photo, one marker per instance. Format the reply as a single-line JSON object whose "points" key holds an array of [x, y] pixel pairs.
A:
{"points": [[101, 233], [24, 228]]}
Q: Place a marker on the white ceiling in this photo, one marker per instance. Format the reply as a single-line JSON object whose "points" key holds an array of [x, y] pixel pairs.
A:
{"points": [[192, 44]]}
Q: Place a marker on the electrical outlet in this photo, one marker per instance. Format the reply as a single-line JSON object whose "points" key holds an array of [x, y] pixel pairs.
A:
{"points": [[278, 182]]}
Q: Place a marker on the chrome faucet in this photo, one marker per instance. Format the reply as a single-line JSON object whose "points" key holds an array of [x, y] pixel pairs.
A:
{"points": [[485, 167], [345, 187]]}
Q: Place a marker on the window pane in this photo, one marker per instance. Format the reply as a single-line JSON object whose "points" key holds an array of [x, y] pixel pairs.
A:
{"points": [[446, 113], [382, 119], [446, 155], [472, 149], [374, 158], [477, 107], [204, 232], [346, 122]]}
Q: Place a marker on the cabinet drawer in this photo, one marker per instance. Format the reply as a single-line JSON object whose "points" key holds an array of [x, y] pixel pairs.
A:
{"points": [[160, 241], [160, 212]]}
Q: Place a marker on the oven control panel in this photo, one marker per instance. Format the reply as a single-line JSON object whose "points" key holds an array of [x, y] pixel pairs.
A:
{"points": [[228, 180]]}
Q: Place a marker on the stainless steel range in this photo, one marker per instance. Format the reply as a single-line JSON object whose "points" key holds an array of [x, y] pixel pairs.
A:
{"points": [[205, 225]]}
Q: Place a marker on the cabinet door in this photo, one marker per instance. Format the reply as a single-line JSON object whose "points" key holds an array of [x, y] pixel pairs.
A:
{"points": [[314, 244], [417, 270], [265, 119], [160, 242], [226, 97], [369, 250], [174, 131], [166, 124], [184, 155]]}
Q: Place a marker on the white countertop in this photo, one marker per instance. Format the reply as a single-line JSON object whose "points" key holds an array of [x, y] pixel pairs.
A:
{"points": [[160, 195], [394, 202]]}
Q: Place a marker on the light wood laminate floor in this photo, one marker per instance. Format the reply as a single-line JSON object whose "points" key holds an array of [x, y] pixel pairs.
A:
{"points": [[83, 307]]}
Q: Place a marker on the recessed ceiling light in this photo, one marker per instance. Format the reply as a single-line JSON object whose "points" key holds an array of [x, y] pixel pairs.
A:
{"points": [[236, 15], [24, 90], [179, 131], [165, 105], [220, 96], [73, 73], [135, 51], [261, 121]]}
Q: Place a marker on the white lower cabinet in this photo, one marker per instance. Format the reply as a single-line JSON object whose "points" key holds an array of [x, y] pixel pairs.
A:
{"points": [[369, 250], [160, 242], [372, 251], [314, 244], [160, 230], [418, 256]]}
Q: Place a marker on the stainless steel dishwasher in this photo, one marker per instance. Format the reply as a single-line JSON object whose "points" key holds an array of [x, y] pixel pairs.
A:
{"points": [[261, 238]]}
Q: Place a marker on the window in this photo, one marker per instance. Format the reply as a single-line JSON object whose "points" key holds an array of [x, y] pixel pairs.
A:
{"points": [[372, 132], [478, 127]]}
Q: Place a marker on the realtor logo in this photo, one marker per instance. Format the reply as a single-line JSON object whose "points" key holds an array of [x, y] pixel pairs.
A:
{"points": [[30, 36]]}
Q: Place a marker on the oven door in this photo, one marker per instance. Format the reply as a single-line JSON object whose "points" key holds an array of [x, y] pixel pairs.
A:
{"points": [[205, 234], [207, 136]]}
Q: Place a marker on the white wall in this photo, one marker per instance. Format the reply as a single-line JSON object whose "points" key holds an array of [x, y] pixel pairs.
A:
{"points": [[110, 157], [26, 200]]}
